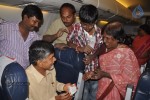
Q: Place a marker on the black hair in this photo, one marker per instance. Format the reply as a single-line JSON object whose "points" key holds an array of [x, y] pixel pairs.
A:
{"points": [[32, 10], [68, 5], [38, 50], [88, 14], [145, 28], [115, 29]]}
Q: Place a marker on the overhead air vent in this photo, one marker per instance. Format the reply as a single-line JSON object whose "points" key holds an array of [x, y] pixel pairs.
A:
{"points": [[115, 9], [57, 3], [111, 8], [80, 1]]}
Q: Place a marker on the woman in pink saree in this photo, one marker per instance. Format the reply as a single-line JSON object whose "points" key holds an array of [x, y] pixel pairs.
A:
{"points": [[118, 66]]}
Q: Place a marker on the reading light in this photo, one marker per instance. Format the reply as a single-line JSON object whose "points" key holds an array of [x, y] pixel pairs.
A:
{"points": [[103, 22], [123, 2]]}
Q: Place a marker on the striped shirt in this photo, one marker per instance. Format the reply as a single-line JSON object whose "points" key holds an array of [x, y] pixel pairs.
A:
{"points": [[79, 37], [13, 45]]}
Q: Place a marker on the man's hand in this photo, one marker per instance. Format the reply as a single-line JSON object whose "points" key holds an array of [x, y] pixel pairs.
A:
{"points": [[61, 31], [98, 74], [67, 86]]}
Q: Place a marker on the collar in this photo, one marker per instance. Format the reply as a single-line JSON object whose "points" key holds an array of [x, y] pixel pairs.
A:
{"points": [[38, 75], [94, 32]]}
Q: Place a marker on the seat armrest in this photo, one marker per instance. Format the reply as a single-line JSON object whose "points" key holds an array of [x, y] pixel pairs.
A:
{"points": [[129, 90]]}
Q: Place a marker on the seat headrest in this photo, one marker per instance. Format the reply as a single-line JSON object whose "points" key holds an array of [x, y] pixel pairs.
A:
{"points": [[14, 82]]}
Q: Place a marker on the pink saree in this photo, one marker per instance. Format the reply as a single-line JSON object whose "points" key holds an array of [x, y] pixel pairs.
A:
{"points": [[123, 67]]}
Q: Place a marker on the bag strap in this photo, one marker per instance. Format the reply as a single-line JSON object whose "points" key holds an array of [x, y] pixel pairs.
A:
{"points": [[107, 91]]}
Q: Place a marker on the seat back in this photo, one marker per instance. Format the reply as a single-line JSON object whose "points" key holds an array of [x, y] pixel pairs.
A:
{"points": [[68, 65], [14, 82], [1, 94], [142, 91]]}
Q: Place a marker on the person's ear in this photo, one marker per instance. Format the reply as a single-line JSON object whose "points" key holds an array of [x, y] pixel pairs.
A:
{"points": [[25, 17], [39, 63]]}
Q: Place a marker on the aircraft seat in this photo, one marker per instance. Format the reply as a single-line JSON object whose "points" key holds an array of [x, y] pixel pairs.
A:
{"points": [[68, 65], [14, 83], [142, 91]]}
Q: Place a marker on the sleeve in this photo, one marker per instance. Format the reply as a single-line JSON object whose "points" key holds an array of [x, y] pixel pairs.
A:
{"points": [[129, 72], [60, 86], [39, 37], [30, 95], [52, 98], [100, 37], [69, 37]]}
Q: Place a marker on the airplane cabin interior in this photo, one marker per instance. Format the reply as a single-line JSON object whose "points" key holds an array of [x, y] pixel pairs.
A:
{"points": [[131, 13]]}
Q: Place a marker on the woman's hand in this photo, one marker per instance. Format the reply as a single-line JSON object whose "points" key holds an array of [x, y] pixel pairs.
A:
{"points": [[88, 75], [98, 74]]}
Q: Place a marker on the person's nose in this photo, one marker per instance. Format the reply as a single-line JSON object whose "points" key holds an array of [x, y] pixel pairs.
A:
{"points": [[36, 25], [54, 59]]}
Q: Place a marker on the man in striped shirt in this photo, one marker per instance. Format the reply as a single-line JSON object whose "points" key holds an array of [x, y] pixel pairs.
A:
{"points": [[16, 38]]}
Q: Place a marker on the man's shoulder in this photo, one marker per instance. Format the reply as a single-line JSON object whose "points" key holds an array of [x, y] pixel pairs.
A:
{"points": [[9, 23], [58, 22], [35, 36], [55, 26], [29, 69], [30, 72]]}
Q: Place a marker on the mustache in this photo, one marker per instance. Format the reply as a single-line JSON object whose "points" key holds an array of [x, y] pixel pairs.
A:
{"points": [[66, 23]]}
